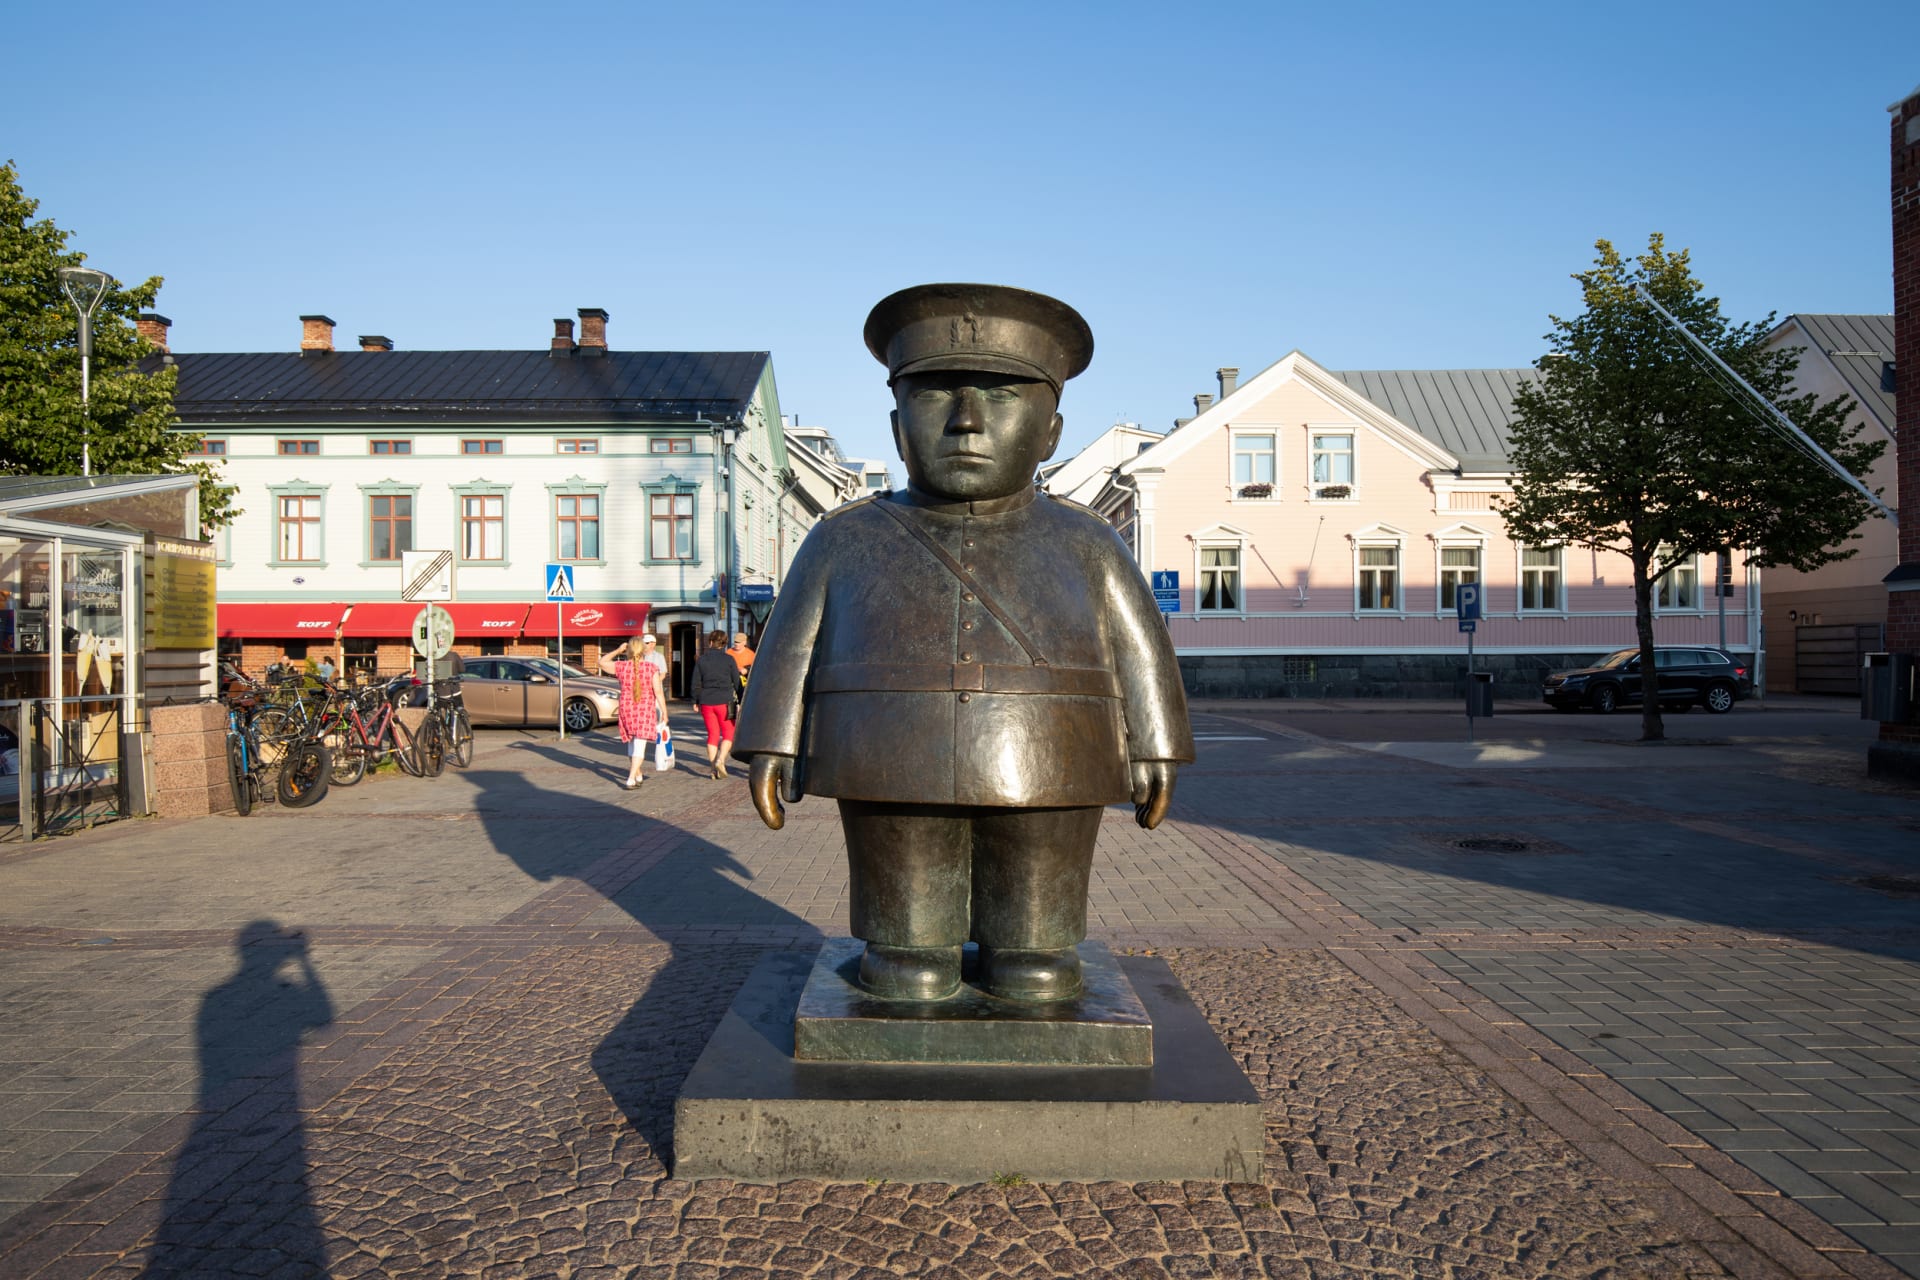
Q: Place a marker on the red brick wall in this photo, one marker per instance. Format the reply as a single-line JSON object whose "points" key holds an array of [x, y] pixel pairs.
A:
{"points": [[1903, 607]]}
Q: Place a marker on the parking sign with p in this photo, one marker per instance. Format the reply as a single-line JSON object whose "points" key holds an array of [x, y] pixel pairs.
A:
{"points": [[1466, 603]]}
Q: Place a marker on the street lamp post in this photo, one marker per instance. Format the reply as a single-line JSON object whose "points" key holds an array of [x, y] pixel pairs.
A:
{"points": [[85, 287]]}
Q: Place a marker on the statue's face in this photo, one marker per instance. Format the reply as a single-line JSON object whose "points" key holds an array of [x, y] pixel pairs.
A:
{"points": [[969, 436]]}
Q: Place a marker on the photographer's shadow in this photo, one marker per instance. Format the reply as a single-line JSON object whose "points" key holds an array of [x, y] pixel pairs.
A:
{"points": [[697, 898], [248, 1145]]}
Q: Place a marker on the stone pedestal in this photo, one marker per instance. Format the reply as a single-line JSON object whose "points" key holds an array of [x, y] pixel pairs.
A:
{"points": [[838, 1022], [752, 1111]]}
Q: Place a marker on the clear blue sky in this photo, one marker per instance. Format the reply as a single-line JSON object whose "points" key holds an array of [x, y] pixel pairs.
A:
{"points": [[1381, 186]]}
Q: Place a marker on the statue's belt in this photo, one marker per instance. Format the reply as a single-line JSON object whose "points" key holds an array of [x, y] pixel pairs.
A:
{"points": [[963, 677]]}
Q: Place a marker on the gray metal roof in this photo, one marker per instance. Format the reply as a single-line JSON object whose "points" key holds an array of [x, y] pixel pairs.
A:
{"points": [[462, 386], [1859, 348], [1464, 411]]}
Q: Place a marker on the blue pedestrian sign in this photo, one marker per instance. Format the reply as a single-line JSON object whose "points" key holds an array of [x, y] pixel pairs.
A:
{"points": [[1166, 590], [1466, 605], [559, 582]]}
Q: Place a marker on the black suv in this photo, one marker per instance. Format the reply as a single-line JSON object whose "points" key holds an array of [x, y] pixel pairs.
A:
{"points": [[1713, 678]]}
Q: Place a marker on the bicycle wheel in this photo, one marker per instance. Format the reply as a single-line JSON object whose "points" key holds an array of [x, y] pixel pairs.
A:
{"points": [[274, 729], [239, 780], [406, 747], [432, 746], [349, 755], [460, 738], [303, 774]]}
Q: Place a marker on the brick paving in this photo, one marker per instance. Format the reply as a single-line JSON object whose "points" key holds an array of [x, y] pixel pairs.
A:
{"points": [[435, 1027]]}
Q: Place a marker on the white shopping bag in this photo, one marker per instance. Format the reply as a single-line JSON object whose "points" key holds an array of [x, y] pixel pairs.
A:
{"points": [[663, 749]]}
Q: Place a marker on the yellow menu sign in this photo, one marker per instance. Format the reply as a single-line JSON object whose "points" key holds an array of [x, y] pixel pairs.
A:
{"points": [[180, 595]]}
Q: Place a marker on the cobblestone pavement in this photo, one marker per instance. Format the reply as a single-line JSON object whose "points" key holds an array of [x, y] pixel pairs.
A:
{"points": [[1512, 1015]]}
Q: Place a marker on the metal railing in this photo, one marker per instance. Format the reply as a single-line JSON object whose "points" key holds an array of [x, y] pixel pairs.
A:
{"points": [[64, 769]]}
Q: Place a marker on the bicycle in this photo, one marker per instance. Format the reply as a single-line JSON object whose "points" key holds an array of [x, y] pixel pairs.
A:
{"points": [[246, 767], [284, 712], [367, 727], [456, 727]]}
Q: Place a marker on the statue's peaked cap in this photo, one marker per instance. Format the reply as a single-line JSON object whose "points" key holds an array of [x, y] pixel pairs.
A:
{"points": [[990, 328]]}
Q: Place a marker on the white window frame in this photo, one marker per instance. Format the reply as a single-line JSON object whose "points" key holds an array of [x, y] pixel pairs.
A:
{"points": [[1200, 568], [481, 489], [1522, 569], [1378, 536], [672, 486], [1353, 461], [297, 489], [1457, 538], [1234, 452], [1666, 582], [386, 489], [578, 487]]}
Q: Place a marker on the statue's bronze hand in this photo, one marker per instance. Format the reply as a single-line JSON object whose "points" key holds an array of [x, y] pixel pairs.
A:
{"points": [[1152, 791], [769, 778]]}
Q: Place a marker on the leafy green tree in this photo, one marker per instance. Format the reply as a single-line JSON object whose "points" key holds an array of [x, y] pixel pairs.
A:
{"points": [[1626, 442], [130, 419]]}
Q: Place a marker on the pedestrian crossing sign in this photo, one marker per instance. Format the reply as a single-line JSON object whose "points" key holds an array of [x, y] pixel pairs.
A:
{"points": [[559, 582]]}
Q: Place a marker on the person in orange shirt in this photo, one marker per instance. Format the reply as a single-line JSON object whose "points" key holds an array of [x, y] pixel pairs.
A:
{"points": [[741, 655]]}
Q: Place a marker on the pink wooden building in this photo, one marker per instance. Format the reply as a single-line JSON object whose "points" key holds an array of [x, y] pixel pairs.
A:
{"points": [[1320, 523]]}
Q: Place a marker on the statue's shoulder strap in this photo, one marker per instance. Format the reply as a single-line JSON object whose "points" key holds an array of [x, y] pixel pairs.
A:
{"points": [[841, 510], [967, 580]]}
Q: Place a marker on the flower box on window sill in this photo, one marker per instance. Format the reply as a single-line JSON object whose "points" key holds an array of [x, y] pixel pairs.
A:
{"points": [[1334, 491], [1256, 491]]}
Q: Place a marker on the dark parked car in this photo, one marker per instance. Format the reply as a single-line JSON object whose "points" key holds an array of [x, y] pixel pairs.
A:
{"points": [[1685, 675]]}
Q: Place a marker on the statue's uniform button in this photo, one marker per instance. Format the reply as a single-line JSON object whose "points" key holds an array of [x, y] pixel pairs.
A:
{"points": [[966, 697], [967, 543], [966, 626], [967, 596], [966, 657]]}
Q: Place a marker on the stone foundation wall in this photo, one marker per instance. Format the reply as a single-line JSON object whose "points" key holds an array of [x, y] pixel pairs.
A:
{"points": [[1354, 675], [190, 760]]}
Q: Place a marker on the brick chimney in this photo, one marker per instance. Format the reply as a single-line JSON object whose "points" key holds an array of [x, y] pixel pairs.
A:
{"points": [[1898, 751], [316, 333], [153, 327], [1229, 379], [1202, 403], [562, 338], [593, 331], [375, 342]]}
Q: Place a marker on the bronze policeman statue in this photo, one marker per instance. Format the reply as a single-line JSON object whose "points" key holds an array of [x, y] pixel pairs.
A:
{"points": [[971, 667]]}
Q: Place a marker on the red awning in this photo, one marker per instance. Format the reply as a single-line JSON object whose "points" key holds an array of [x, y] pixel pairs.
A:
{"points": [[395, 618], [278, 621], [587, 619], [382, 618], [487, 621]]}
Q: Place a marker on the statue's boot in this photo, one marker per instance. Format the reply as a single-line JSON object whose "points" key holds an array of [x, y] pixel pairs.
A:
{"points": [[910, 973], [1029, 975]]}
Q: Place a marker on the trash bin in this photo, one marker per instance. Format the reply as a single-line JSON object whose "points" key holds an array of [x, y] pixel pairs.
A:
{"points": [[1479, 694], [1887, 688]]}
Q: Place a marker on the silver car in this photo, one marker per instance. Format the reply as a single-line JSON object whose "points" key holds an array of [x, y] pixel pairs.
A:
{"points": [[527, 691]]}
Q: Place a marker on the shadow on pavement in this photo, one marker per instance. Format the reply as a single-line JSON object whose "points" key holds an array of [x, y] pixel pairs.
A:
{"points": [[1605, 848], [248, 1114], [697, 897]]}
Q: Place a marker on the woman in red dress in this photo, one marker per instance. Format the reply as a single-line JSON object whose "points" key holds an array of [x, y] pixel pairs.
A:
{"points": [[643, 700]]}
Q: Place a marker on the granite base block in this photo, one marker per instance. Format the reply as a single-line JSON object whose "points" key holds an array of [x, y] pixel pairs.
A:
{"points": [[839, 1022], [751, 1111]]}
